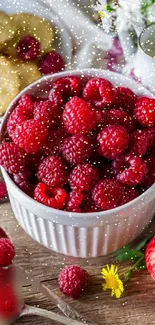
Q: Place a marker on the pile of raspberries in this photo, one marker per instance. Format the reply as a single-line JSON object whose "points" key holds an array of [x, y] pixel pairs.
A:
{"points": [[88, 147]]}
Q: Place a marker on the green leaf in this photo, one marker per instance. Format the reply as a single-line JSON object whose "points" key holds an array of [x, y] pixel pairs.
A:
{"points": [[129, 255], [123, 249], [128, 275], [143, 243]]}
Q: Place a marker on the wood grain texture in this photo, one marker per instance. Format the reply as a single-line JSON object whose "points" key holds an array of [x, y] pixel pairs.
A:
{"points": [[135, 307]]}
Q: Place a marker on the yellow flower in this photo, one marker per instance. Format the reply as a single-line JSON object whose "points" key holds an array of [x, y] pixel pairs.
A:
{"points": [[101, 14], [112, 280]]}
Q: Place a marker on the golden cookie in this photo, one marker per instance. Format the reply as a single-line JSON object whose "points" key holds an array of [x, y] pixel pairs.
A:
{"points": [[9, 47], [9, 83], [36, 26], [7, 28], [27, 71]]}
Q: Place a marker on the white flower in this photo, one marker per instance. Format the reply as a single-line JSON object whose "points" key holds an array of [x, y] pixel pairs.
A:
{"points": [[151, 14], [107, 17], [129, 14]]}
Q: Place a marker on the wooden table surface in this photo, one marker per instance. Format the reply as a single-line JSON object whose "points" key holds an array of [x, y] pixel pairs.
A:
{"points": [[135, 307]]}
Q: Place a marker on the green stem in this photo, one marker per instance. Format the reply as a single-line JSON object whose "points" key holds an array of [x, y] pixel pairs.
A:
{"points": [[133, 266]]}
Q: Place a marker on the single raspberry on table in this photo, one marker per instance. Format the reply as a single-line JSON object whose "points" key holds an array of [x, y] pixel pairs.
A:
{"points": [[115, 116], [53, 145], [145, 111], [74, 201], [107, 194], [99, 92], [73, 281], [149, 179], [63, 89], [28, 48], [79, 117], [83, 177], [150, 257], [132, 170], [12, 158], [77, 149], [3, 190], [30, 135], [125, 99], [53, 172], [23, 112], [113, 141], [23, 181], [51, 62], [128, 195], [7, 251], [9, 305], [54, 198], [48, 113]]}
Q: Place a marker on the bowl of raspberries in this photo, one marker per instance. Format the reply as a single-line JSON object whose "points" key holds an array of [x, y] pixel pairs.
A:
{"points": [[77, 154]]}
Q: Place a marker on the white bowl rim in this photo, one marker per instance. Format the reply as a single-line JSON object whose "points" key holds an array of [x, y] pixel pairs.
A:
{"points": [[63, 213]]}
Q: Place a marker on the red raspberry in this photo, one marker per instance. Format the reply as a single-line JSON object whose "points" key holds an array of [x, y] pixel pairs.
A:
{"points": [[64, 89], [12, 158], [75, 199], [149, 179], [125, 100], [51, 62], [7, 251], [79, 116], [3, 190], [28, 48], [107, 194], [115, 116], [113, 141], [53, 145], [54, 198], [128, 195], [23, 112], [9, 307], [88, 205], [132, 171], [145, 111], [23, 181], [48, 113], [30, 135], [84, 177], [77, 149], [150, 257], [53, 172], [99, 92], [73, 281], [140, 141]]}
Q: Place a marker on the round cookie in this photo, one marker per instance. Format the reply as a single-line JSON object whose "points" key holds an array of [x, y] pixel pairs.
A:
{"points": [[27, 71], [7, 28]]}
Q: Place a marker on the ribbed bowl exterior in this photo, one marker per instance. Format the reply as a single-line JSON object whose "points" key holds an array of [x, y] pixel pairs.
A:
{"points": [[81, 241]]}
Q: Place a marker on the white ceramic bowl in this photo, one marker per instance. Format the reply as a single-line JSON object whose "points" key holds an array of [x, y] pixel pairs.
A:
{"points": [[80, 234]]}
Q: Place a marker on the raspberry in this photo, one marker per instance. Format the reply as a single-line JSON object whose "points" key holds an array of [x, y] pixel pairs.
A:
{"points": [[140, 142], [88, 205], [149, 179], [51, 62], [149, 258], [107, 194], [113, 141], [128, 195], [23, 112], [28, 48], [30, 135], [48, 113], [23, 181], [7, 252], [9, 308], [64, 89], [145, 111], [77, 149], [53, 172], [12, 158], [99, 92], [73, 281], [54, 198], [115, 116], [133, 171], [54, 142], [79, 116], [83, 177], [3, 190], [125, 100], [74, 201]]}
